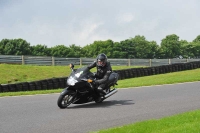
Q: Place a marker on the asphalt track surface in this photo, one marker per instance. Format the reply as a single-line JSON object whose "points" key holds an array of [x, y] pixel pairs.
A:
{"points": [[40, 113]]}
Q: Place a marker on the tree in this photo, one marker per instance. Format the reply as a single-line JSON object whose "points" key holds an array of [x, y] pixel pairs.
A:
{"points": [[196, 49], [142, 48], [15, 47], [2, 45], [127, 49], [197, 39], [196, 44], [98, 47], [153, 50], [40, 50], [75, 51], [171, 46], [118, 51], [60, 51]]}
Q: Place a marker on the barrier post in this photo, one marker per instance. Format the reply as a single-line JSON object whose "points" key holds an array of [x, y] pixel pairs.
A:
{"points": [[23, 61], [150, 62], [53, 61], [129, 62], [80, 62], [169, 61]]}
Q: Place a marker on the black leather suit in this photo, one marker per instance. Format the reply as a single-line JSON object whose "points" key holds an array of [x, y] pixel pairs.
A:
{"points": [[102, 74]]}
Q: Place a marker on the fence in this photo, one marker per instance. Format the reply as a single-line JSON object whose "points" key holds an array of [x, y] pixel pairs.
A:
{"points": [[55, 61]]}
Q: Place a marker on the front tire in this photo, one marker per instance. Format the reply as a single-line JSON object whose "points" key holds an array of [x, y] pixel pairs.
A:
{"points": [[65, 100]]}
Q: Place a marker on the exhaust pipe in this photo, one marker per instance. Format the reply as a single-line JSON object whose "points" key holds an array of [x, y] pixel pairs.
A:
{"points": [[111, 93]]}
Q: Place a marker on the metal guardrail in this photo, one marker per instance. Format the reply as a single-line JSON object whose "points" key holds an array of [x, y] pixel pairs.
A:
{"points": [[55, 61]]}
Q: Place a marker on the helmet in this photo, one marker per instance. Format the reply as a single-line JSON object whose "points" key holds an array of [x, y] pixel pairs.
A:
{"points": [[101, 60]]}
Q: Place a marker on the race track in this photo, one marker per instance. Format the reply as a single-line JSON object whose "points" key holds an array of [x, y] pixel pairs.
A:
{"points": [[40, 114]]}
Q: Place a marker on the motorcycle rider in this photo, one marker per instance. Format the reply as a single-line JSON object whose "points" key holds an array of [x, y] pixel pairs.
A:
{"points": [[104, 70]]}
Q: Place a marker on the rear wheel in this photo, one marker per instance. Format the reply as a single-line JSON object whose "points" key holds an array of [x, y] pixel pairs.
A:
{"points": [[65, 100]]}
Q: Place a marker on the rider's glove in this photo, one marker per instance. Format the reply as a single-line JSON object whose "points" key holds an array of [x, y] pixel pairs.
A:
{"points": [[94, 82], [89, 80]]}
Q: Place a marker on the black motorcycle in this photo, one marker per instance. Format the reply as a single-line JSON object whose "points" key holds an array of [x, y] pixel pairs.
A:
{"points": [[80, 88]]}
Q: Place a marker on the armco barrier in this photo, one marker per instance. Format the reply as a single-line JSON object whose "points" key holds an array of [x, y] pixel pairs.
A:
{"points": [[55, 83]]}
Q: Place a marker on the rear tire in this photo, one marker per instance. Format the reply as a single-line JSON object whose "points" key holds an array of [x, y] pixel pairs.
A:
{"points": [[65, 100]]}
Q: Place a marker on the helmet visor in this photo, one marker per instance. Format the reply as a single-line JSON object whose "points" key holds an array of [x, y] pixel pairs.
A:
{"points": [[101, 63]]}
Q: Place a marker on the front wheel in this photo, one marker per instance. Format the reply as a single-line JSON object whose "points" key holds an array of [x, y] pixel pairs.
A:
{"points": [[65, 100]]}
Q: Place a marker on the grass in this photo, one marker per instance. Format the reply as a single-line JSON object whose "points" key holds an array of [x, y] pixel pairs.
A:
{"points": [[168, 78], [188, 122], [25, 73], [22, 73]]}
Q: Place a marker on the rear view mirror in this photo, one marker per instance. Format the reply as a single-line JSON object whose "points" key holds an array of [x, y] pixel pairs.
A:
{"points": [[71, 66]]}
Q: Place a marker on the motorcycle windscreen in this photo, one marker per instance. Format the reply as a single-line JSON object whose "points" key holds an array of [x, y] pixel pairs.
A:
{"points": [[82, 73]]}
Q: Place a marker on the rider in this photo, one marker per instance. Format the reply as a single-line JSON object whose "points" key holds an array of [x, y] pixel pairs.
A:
{"points": [[103, 72]]}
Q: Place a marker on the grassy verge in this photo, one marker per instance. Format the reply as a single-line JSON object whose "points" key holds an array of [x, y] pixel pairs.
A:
{"points": [[169, 78], [4, 94], [23, 73], [182, 123]]}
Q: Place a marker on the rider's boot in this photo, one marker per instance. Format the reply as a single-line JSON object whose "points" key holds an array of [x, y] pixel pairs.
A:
{"points": [[101, 91]]}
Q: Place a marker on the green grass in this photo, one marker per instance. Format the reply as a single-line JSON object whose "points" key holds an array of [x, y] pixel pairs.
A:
{"points": [[20, 93], [188, 122], [168, 78], [22, 73]]}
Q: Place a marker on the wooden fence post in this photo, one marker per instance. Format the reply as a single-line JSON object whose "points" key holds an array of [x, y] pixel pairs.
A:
{"points": [[129, 62], [80, 62], [23, 61], [169, 61], [53, 61], [150, 62]]}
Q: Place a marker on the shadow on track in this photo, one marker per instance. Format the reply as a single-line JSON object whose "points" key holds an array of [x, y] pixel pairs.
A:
{"points": [[104, 104]]}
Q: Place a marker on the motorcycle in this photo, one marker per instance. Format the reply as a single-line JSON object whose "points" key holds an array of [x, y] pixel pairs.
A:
{"points": [[80, 88]]}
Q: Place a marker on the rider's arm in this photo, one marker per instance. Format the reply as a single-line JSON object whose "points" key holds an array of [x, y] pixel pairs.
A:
{"points": [[106, 76], [104, 79], [92, 65]]}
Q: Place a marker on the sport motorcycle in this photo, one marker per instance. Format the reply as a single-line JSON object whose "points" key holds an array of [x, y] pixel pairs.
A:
{"points": [[81, 89]]}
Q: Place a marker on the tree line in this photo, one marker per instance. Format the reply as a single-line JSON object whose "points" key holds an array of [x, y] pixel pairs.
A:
{"points": [[137, 47]]}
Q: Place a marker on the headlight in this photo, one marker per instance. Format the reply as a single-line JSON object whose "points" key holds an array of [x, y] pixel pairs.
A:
{"points": [[71, 81]]}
